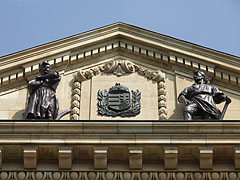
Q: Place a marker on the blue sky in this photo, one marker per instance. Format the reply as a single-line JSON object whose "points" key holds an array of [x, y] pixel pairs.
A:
{"points": [[211, 23]]}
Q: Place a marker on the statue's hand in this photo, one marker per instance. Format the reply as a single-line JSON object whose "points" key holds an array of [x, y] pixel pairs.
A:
{"points": [[38, 78], [183, 99], [228, 99], [187, 102]]}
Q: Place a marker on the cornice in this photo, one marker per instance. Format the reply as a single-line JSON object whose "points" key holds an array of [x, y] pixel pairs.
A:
{"points": [[154, 133], [124, 30], [182, 47]]}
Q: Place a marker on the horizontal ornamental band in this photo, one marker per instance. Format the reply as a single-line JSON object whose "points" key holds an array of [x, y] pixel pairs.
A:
{"points": [[126, 175]]}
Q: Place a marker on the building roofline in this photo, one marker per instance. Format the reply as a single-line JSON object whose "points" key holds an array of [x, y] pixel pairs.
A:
{"points": [[119, 23]]}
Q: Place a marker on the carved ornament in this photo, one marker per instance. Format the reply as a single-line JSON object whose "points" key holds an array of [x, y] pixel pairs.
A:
{"points": [[119, 67], [114, 175]]}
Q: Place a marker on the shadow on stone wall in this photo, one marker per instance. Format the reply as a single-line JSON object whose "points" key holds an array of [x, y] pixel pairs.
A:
{"points": [[18, 115]]}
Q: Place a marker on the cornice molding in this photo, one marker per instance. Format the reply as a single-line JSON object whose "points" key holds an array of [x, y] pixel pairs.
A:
{"points": [[95, 133], [121, 175], [126, 31]]}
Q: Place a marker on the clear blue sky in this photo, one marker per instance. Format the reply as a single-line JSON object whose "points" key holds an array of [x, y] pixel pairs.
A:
{"points": [[211, 23]]}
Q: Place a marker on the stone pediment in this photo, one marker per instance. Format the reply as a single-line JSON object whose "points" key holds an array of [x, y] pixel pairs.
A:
{"points": [[120, 37], [97, 48]]}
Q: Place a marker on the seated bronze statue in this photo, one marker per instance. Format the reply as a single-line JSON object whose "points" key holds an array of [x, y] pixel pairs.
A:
{"points": [[43, 103], [201, 99]]}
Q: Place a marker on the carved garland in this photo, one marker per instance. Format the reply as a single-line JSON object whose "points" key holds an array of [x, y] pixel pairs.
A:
{"points": [[75, 175], [119, 68]]}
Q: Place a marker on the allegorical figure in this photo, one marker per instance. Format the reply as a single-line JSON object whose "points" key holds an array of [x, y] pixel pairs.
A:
{"points": [[43, 103], [201, 99]]}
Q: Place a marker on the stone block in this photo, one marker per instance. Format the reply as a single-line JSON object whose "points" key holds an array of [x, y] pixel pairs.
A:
{"points": [[136, 50], [237, 158], [187, 63], [109, 48], [173, 59], [1, 157], [180, 60], [225, 77], [165, 58], [195, 65], [30, 157], [218, 75], [233, 80], [203, 68], [135, 157], [210, 70], [143, 52], [171, 157], [206, 158], [65, 157], [73, 59], [100, 157], [157, 56]]}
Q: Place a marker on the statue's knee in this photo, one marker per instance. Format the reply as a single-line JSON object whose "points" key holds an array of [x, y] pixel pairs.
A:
{"points": [[188, 109]]}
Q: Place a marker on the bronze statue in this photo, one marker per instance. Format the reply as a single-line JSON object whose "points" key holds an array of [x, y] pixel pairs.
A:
{"points": [[201, 99], [43, 103]]}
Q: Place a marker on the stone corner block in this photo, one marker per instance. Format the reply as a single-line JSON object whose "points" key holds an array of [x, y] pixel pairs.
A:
{"points": [[135, 157], [1, 156], [171, 158], [65, 157], [206, 157], [100, 157], [30, 157], [237, 157]]}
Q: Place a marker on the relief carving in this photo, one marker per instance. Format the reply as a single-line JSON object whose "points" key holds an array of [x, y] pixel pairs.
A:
{"points": [[116, 102], [119, 67]]}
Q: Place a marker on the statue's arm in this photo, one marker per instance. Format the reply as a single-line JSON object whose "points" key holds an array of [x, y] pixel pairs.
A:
{"points": [[50, 75], [33, 86], [183, 97], [219, 97]]}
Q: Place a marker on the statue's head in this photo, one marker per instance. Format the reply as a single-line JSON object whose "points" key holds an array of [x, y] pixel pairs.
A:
{"points": [[44, 68], [200, 76]]}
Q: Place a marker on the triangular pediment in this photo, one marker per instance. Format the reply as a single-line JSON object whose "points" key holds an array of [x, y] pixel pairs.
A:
{"points": [[120, 38], [119, 41]]}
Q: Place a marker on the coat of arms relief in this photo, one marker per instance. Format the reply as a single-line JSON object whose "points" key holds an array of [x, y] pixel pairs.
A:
{"points": [[119, 100]]}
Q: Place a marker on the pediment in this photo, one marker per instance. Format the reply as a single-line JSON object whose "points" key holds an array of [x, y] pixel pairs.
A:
{"points": [[119, 38], [120, 49]]}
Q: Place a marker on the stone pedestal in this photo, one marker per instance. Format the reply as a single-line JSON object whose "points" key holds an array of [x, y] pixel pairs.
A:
{"points": [[135, 157], [30, 157], [171, 157], [65, 157], [206, 158], [237, 157], [100, 157]]}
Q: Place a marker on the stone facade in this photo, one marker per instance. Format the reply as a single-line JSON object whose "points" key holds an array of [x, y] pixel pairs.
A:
{"points": [[155, 144]]}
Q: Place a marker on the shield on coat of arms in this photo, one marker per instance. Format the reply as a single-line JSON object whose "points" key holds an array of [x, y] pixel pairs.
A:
{"points": [[118, 100]]}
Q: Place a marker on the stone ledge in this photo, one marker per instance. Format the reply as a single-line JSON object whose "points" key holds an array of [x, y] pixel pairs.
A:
{"points": [[95, 133], [91, 127]]}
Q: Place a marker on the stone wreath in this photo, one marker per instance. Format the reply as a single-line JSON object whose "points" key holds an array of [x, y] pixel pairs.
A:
{"points": [[119, 68]]}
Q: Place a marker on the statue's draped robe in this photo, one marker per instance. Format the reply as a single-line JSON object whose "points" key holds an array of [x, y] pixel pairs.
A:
{"points": [[205, 97], [43, 103]]}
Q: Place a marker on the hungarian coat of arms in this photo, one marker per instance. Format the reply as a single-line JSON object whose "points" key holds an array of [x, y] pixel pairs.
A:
{"points": [[119, 102]]}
